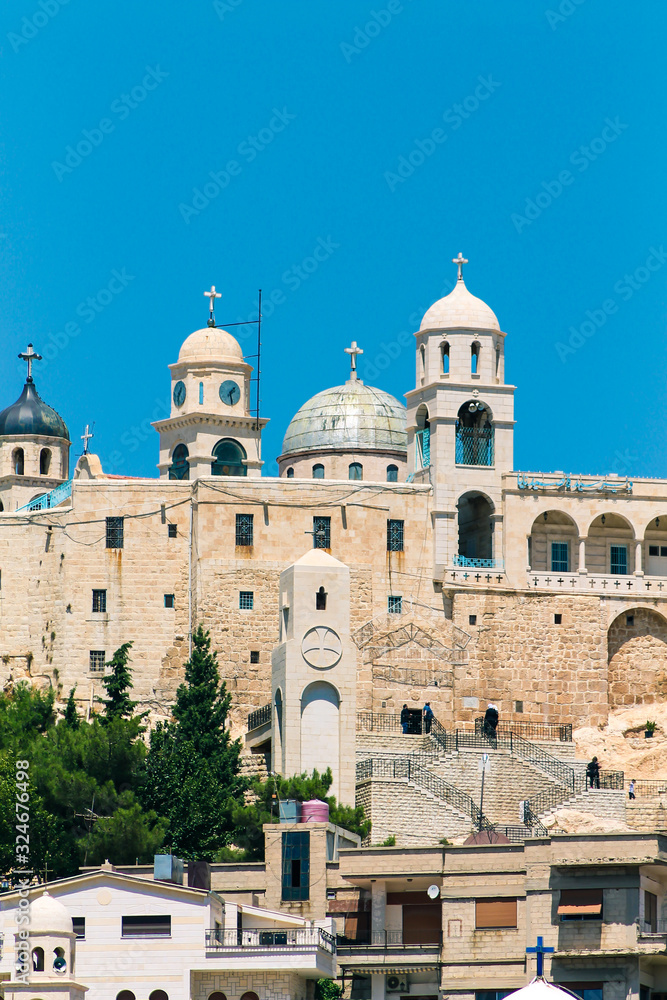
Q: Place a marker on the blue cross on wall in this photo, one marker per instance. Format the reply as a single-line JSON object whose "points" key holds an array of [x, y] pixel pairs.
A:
{"points": [[540, 951]]}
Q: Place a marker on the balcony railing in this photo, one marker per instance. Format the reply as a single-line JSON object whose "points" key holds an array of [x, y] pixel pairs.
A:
{"points": [[385, 940], [48, 500], [597, 583], [471, 563], [649, 788], [531, 730], [260, 717], [276, 939]]}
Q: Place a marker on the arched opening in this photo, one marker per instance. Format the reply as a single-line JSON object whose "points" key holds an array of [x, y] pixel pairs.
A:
{"points": [[2, 506], [444, 358], [475, 350], [158, 995], [392, 473], [290, 473], [201, 393], [318, 471], [422, 364], [38, 960], [355, 470], [278, 703], [321, 600], [553, 543], [249, 996], [319, 729], [474, 434], [180, 466], [59, 960], [475, 531], [655, 546], [497, 361], [423, 439], [125, 995], [637, 657], [609, 546], [217, 996], [44, 461], [18, 461], [228, 456]]}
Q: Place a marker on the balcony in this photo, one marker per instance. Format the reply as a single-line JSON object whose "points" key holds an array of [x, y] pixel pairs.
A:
{"points": [[366, 951], [306, 950]]}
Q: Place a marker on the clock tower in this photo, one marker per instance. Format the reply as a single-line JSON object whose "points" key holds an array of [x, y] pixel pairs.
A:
{"points": [[210, 430], [314, 674]]}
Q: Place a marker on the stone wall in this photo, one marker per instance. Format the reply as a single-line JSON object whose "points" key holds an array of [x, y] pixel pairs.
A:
{"points": [[637, 659]]}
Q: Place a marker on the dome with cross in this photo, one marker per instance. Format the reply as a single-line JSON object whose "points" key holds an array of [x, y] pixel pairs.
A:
{"points": [[30, 415], [210, 344], [460, 310]]}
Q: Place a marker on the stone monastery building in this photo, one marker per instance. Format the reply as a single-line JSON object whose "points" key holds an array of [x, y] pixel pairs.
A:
{"points": [[398, 557]]}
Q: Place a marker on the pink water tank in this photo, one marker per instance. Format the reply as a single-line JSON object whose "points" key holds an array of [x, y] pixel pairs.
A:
{"points": [[314, 812]]}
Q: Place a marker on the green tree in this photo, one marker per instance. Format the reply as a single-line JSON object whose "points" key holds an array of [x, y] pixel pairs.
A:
{"points": [[71, 715], [249, 819], [192, 765], [117, 684]]}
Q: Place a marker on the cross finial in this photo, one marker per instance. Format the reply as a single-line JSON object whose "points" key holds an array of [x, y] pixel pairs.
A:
{"points": [[30, 356], [85, 437], [460, 261], [353, 351], [212, 296], [540, 950]]}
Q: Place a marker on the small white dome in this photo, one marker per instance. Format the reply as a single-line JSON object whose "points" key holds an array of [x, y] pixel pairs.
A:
{"points": [[210, 344], [49, 916], [460, 310]]}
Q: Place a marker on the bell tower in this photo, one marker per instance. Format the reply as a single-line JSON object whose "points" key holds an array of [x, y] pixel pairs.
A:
{"points": [[461, 428], [45, 955]]}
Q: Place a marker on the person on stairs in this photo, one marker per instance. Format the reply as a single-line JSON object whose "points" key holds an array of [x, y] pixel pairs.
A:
{"points": [[405, 718], [491, 722], [593, 773], [428, 717]]}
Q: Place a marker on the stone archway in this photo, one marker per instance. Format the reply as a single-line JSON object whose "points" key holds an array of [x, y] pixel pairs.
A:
{"points": [[637, 652]]}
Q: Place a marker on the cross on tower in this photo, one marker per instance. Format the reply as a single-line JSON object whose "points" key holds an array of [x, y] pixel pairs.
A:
{"points": [[30, 356], [540, 950], [85, 437], [459, 261], [212, 296], [353, 350]]}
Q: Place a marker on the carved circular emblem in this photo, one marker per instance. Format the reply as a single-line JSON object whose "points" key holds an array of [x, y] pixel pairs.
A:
{"points": [[321, 647]]}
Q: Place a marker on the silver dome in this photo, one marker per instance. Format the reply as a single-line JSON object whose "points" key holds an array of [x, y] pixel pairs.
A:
{"points": [[348, 417]]}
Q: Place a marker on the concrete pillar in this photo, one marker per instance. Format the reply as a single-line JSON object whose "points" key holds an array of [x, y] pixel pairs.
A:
{"points": [[582, 555], [378, 911], [639, 568], [497, 540], [377, 987]]}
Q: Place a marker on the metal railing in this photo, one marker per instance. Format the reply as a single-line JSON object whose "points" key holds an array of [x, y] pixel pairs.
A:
{"points": [[384, 940], [378, 722], [532, 730], [649, 788], [555, 796], [644, 928], [277, 939], [260, 717], [48, 500], [477, 563]]}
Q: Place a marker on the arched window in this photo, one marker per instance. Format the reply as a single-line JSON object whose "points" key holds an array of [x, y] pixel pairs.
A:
{"points": [[217, 996], [474, 358], [422, 363], [321, 600], [318, 471], [228, 458], [44, 461], [125, 995], [290, 473], [423, 439], [474, 435], [497, 360], [355, 470], [475, 531], [444, 358], [392, 473], [249, 996], [59, 960], [201, 393], [158, 995], [18, 462], [2, 506], [38, 960], [180, 466]]}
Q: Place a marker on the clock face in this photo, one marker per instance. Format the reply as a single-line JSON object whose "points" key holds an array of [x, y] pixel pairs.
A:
{"points": [[321, 647], [179, 393], [230, 392]]}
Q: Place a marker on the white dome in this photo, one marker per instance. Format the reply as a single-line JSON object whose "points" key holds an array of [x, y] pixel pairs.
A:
{"points": [[210, 344], [460, 310], [49, 916]]}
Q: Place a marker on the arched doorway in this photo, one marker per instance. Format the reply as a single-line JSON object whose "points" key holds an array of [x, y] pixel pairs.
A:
{"points": [[474, 434], [637, 658], [228, 456], [180, 466], [553, 543], [475, 530], [320, 705], [610, 545]]}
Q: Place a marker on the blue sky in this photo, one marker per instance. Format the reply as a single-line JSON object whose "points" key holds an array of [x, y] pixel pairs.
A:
{"points": [[549, 178]]}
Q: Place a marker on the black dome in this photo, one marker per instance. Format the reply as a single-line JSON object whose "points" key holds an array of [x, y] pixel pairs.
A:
{"points": [[30, 415]]}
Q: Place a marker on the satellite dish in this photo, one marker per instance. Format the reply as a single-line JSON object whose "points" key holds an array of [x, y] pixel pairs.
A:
{"points": [[433, 891]]}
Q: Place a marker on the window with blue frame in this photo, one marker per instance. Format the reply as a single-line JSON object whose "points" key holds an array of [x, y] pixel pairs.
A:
{"points": [[296, 865], [424, 446], [618, 558], [560, 557]]}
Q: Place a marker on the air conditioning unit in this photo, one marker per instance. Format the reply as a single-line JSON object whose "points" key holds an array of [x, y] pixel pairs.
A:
{"points": [[395, 984]]}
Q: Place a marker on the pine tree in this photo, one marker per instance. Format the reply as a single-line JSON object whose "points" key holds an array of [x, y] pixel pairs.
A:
{"points": [[117, 684], [71, 715]]}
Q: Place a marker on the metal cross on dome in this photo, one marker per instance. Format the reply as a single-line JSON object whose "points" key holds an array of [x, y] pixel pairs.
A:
{"points": [[460, 261], [212, 295], [85, 437], [353, 351], [30, 356], [540, 950]]}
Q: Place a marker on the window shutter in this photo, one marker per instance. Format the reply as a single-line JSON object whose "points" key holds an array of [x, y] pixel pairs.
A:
{"points": [[495, 913]]}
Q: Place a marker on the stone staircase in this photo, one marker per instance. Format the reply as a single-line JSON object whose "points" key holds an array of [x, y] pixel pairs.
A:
{"points": [[405, 810], [600, 802]]}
